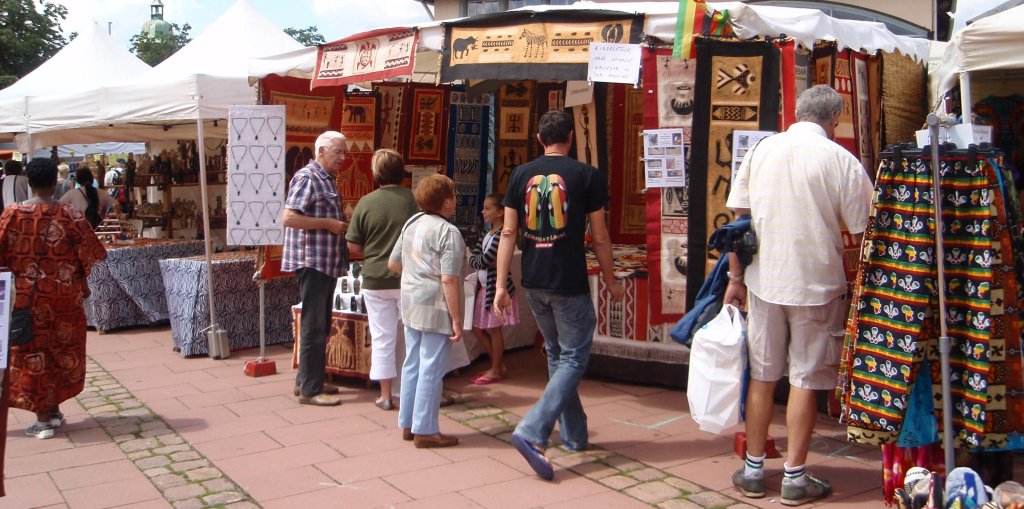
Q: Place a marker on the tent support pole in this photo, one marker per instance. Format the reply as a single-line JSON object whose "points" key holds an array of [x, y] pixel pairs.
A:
{"points": [[213, 335], [965, 98], [945, 345]]}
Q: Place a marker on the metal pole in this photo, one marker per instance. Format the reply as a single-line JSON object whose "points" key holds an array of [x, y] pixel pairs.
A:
{"points": [[263, 303], [214, 334], [945, 345]]}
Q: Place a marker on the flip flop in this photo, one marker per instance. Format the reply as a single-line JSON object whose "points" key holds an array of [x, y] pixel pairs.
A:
{"points": [[486, 380], [538, 462]]}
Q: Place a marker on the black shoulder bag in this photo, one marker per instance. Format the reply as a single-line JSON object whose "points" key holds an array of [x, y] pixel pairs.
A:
{"points": [[20, 330]]}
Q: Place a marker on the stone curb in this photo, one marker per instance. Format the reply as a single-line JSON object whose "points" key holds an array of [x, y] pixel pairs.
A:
{"points": [[184, 477], [620, 473]]}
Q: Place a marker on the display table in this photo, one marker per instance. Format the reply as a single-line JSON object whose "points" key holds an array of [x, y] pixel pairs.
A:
{"points": [[236, 298], [126, 288]]}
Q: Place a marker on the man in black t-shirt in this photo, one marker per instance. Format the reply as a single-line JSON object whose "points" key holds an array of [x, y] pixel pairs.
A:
{"points": [[549, 201]]}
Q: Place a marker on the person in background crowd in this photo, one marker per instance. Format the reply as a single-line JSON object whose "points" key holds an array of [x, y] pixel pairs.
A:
{"points": [[551, 199], [64, 183], [430, 255], [486, 323], [315, 251], [375, 226], [800, 188], [15, 185], [93, 203], [50, 249]]}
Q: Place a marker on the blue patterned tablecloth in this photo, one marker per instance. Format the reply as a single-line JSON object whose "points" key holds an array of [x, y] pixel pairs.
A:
{"points": [[235, 297], [127, 289]]}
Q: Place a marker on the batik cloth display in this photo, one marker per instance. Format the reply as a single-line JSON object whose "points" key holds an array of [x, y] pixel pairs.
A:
{"points": [[737, 87], [513, 131], [894, 318]]}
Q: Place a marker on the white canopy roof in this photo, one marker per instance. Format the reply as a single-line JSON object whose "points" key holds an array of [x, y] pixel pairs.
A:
{"points": [[805, 25], [994, 42], [200, 81], [73, 68]]}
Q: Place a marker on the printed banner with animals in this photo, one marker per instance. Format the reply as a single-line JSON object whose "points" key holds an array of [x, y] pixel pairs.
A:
{"points": [[538, 45], [374, 55]]}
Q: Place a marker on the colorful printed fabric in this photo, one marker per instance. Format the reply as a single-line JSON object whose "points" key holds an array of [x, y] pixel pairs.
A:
{"points": [[54, 246], [467, 155], [897, 297]]}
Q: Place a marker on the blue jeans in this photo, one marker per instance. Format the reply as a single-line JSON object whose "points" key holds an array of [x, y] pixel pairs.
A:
{"points": [[567, 323], [426, 362]]}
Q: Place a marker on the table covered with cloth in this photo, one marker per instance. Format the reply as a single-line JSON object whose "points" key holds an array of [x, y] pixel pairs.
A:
{"points": [[236, 301], [126, 288]]}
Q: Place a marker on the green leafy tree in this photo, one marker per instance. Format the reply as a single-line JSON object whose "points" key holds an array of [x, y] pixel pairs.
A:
{"points": [[28, 37], [309, 36], [153, 50]]}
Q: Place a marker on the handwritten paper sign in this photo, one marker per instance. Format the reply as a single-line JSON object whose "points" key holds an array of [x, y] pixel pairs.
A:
{"points": [[578, 93], [614, 63]]}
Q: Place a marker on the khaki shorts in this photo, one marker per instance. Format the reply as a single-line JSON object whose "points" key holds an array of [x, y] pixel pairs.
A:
{"points": [[808, 339]]}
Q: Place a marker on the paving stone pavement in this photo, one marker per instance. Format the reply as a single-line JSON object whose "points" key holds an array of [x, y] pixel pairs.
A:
{"points": [[188, 480], [623, 474], [185, 478]]}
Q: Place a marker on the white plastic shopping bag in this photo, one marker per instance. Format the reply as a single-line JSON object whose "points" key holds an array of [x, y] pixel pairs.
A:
{"points": [[718, 360], [469, 300]]}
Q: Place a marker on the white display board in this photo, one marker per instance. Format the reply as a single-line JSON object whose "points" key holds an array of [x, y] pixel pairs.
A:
{"points": [[664, 158], [6, 303], [256, 178], [742, 142]]}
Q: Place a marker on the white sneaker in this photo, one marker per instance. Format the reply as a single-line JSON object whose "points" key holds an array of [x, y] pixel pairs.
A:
{"points": [[40, 430], [57, 419]]}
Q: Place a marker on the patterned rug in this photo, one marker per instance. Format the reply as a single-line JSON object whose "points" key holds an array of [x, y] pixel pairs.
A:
{"points": [[467, 154], [668, 102], [628, 211], [392, 106], [428, 124], [355, 179], [307, 114], [737, 87], [540, 45], [513, 131]]}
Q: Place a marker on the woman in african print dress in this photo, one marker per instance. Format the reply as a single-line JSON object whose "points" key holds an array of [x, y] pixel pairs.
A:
{"points": [[51, 245]]}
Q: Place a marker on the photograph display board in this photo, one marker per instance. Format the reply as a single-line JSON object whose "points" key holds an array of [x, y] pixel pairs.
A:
{"points": [[665, 164], [256, 176]]}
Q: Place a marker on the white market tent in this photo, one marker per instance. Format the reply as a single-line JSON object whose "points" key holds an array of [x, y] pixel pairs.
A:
{"points": [[804, 25], [992, 43], [85, 63], [199, 82]]}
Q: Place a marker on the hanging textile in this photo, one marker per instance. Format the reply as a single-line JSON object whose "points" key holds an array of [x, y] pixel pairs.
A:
{"points": [[737, 88], [307, 115], [467, 154], [513, 131], [896, 297], [626, 167], [668, 102], [1006, 116], [368, 56], [904, 97], [392, 109], [541, 45], [355, 179], [428, 124]]}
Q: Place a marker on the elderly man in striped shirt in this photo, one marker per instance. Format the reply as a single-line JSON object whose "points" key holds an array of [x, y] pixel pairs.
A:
{"points": [[315, 250]]}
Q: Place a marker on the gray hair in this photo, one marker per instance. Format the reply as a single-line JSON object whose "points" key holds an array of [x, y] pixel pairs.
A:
{"points": [[325, 140], [819, 104]]}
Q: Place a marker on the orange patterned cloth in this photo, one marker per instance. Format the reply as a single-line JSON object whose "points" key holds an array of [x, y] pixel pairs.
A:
{"points": [[54, 246]]}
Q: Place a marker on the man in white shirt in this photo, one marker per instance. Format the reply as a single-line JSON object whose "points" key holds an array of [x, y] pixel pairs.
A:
{"points": [[801, 189], [115, 175]]}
